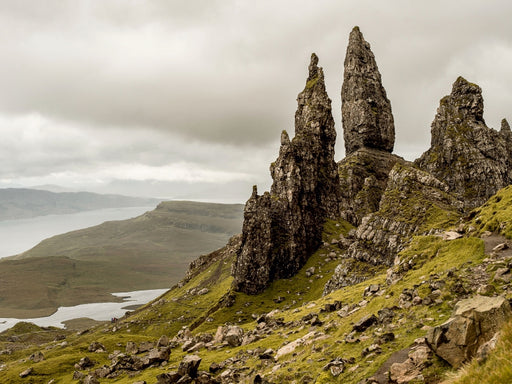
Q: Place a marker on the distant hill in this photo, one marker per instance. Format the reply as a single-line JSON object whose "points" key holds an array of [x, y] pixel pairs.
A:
{"points": [[150, 251], [23, 203]]}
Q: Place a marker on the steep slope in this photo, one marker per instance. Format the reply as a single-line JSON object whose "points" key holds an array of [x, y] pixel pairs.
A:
{"points": [[149, 251], [289, 332], [22, 203]]}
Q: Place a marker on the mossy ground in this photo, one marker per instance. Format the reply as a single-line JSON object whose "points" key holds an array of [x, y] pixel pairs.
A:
{"points": [[302, 295], [432, 258]]}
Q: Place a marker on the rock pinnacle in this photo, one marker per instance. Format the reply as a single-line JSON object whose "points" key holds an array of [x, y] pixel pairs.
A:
{"points": [[366, 110]]}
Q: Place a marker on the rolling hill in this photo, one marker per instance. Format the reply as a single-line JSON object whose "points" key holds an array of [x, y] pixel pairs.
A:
{"points": [[150, 251], [23, 203]]}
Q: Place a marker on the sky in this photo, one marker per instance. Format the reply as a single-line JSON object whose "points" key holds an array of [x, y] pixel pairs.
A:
{"points": [[187, 99]]}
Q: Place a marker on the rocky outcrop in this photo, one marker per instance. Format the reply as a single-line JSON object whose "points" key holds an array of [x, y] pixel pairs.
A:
{"points": [[366, 110], [282, 228], [363, 179], [472, 159], [474, 322], [414, 202]]}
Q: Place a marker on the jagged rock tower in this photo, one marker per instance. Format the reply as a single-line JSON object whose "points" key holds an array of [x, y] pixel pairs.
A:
{"points": [[366, 110], [282, 228], [369, 132], [474, 160]]}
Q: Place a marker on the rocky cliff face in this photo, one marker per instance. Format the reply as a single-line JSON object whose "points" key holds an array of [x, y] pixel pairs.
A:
{"points": [[414, 202], [282, 228], [366, 110], [472, 159], [363, 179]]}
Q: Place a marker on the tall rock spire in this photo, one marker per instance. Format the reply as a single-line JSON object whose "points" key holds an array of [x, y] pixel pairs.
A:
{"points": [[284, 227], [366, 110]]}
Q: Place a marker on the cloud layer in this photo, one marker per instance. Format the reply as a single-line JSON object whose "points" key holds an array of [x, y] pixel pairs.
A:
{"points": [[102, 93]]}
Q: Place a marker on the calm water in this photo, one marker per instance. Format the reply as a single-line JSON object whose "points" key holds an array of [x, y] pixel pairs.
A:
{"points": [[95, 311], [17, 236]]}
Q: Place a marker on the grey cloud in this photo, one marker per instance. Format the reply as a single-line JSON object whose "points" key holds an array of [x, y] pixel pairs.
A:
{"points": [[212, 83]]}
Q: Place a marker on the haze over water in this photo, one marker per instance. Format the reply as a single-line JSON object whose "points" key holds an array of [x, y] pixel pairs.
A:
{"points": [[17, 236]]}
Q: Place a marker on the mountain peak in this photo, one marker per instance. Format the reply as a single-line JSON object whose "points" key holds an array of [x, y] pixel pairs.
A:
{"points": [[366, 110]]}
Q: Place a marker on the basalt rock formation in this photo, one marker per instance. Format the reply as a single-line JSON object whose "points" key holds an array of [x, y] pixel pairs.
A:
{"points": [[369, 132], [414, 202], [387, 198], [471, 158], [366, 110], [282, 228]]}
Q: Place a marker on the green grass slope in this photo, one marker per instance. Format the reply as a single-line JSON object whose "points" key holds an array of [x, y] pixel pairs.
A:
{"points": [[433, 262], [146, 252]]}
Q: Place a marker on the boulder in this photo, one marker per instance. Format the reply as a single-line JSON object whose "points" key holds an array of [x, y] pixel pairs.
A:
{"points": [[26, 372], [131, 348], [474, 322], [365, 323], [97, 347], [168, 378], [189, 365], [36, 357]]}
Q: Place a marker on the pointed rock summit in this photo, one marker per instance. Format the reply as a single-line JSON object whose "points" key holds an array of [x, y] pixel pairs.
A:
{"points": [[471, 158], [366, 110], [284, 227]]}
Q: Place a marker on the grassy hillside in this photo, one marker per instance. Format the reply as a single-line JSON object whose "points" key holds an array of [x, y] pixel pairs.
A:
{"points": [[289, 311], [22, 203], [296, 298], [149, 251]]}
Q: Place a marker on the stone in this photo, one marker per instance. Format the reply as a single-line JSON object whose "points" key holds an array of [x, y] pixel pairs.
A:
{"points": [[474, 322], [36, 357], [284, 227], [90, 380], [386, 315], [500, 247], [158, 355], [203, 291], [233, 335], [97, 347], [26, 372], [189, 365], [131, 348], [168, 378], [486, 348], [366, 110], [471, 158], [371, 290], [84, 363], [503, 275], [451, 235], [405, 372], [163, 341], [365, 323]]}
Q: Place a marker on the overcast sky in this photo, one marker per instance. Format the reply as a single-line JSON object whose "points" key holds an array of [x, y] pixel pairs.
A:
{"points": [[187, 99]]}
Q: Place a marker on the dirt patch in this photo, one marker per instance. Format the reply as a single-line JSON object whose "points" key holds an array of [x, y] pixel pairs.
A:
{"points": [[382, 376], [492, 241]]}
